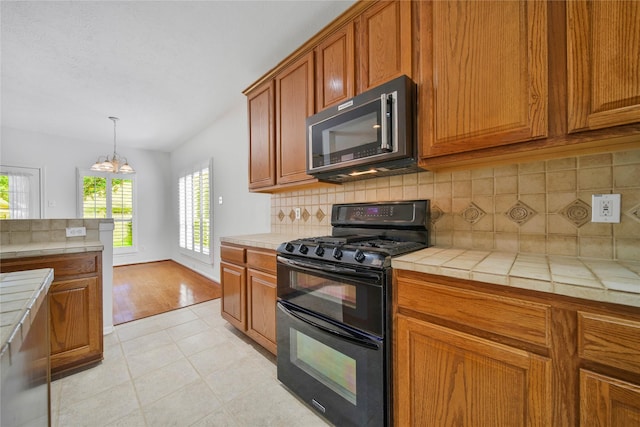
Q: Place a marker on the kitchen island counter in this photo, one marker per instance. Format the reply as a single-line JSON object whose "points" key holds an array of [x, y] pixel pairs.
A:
{"points": [[33, 249]]}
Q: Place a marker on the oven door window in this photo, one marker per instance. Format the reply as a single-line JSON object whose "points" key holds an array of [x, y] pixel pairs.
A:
{"points": [[338, 371], [355, 301], [335, 370]]}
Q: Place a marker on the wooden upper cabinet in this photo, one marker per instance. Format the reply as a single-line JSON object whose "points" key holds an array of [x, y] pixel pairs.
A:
{"points": [[603, 64], [294, 103], [335, 68], [484, 74], [385, 43], [261, 136]]}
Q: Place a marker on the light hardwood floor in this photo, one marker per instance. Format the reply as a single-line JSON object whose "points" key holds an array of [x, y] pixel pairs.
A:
{"points": [[142, 290]]}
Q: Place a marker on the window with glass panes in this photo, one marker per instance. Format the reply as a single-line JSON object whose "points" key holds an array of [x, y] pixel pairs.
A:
{"points": [[105, 196], [194, 206]]}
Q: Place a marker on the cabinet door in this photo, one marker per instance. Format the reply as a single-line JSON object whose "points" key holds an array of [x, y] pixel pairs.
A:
{"points": [[445, 377], [335, 68], [75, 308], [294, 103], [261, 303], [603, 47], [262, 164], [484, 70], [385, 43], [234, 300], [608, 402]]}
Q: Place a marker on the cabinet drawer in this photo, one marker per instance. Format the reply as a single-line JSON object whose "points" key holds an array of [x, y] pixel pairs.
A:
{"points": [[232, 254], [612, 341], [509, 317], [63, 265], [265, 261]]}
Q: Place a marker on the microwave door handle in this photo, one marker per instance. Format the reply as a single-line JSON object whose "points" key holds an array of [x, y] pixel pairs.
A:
{"points": [[386, 123]]}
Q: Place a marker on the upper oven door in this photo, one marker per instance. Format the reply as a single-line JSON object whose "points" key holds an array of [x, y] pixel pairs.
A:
{"points": [[351, 296]]}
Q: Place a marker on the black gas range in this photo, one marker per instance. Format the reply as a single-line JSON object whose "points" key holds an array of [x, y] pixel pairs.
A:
{"points": [[333, 312], [367, 234]]}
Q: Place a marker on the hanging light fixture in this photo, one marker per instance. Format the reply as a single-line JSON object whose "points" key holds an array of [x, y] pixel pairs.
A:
{"points": [[116, 164]]}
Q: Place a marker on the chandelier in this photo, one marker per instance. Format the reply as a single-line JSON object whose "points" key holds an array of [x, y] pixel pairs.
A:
{"points": [[115, 164]]}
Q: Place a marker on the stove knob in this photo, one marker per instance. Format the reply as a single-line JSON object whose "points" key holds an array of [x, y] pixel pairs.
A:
{"points": [[303, 249], [359, 255], [337, 253], [319, 250], [288, 247]]}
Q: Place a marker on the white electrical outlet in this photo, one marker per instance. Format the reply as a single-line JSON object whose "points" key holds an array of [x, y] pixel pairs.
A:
{"points": [[605, 208], [76, 231], [297, 211], [220, 200]]}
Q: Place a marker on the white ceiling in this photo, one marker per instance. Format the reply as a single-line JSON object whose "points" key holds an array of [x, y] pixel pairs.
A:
{"points": [[167, 69]]}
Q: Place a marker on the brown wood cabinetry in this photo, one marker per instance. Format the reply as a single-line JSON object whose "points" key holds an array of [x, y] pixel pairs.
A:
{"points": [[75, 306], [248, 279], [384, 43], [335, 68], [261, 136], [447, 377], [294, 103], [468, 353], [483, 74], [603, 47]]}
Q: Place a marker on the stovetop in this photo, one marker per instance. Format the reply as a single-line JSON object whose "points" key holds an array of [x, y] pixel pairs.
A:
{"points": [[367, 234]]}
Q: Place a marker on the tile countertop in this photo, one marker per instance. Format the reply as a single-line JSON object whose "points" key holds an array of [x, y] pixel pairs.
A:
{"points": [[266, 240], [21, 294], [48, 248], [594, 279]]}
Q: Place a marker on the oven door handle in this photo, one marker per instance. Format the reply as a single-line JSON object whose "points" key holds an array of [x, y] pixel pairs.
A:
{"points": [[309, 266], [326, 327]]}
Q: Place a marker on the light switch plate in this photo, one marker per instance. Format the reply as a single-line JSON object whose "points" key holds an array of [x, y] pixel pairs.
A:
{"points": [[605, 208]]}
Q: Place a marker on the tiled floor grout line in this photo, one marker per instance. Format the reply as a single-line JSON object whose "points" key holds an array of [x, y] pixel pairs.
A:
{"points": [[245, 396]]}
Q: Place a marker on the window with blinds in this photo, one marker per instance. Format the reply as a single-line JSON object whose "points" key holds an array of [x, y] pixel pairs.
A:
{"points": [[194, 204], [104, 196]]}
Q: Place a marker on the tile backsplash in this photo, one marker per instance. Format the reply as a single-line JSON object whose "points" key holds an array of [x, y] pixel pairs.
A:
{"points": [[24, 231], [541, 207]]}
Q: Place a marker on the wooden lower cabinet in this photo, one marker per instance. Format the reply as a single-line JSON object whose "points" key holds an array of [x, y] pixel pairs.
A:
{"points": [[608, 402], [75, 307], [248, 279], [446, 377], [261, 314], [234, 300], [472, 354]]}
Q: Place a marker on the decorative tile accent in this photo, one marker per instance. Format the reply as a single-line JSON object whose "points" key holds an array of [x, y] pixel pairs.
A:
{"points": [[634, 212], [472, 213], [292, 215], [305, 215], [320, 215], [436, 213], [520, 213], [281, 215], [576, 212]]}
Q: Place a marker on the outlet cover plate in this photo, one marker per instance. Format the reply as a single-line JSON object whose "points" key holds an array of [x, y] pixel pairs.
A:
{"points": [[76, 231], [605, 208]]}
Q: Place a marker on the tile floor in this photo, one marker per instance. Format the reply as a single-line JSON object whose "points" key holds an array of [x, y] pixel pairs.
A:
{"points": [[187, 367]]}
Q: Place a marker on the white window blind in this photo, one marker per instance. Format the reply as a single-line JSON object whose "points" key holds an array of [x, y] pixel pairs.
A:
{"points": [[194, 204], [105, 196]]}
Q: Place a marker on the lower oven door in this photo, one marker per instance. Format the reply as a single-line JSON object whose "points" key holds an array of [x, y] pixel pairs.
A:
{"points": [[338, 371]]}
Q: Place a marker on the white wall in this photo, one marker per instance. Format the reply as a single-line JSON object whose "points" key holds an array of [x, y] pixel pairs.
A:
{"points": [[226, 141], [59, 158]]}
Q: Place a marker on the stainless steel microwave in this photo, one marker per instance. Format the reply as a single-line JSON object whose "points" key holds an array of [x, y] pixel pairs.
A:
{"points": [[370, 135]]}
